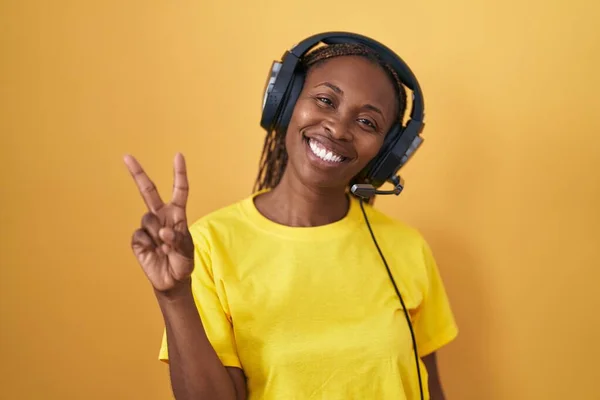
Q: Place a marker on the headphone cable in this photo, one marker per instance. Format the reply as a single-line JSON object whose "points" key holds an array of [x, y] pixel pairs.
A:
{"points": [[412, 333]]}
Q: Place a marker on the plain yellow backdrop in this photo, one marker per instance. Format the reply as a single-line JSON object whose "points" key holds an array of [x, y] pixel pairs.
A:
{"points": [[506, 187]]}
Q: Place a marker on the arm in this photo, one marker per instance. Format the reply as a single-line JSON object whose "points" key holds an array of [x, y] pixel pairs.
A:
{"points": [[164, 248], [435, 325], [196, 371], [435, 386]]}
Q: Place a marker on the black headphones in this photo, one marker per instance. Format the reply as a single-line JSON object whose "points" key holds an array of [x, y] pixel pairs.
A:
{"points": [[285, 84]]}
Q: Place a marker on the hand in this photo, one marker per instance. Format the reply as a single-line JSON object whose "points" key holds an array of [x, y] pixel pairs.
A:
{"points": [[163, 245]]}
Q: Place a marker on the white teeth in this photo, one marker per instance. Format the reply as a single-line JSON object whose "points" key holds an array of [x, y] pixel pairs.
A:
{"points": [[323, 153]]}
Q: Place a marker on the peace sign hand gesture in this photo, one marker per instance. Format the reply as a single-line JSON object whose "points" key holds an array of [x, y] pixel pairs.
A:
{"points": [[163, 245]]}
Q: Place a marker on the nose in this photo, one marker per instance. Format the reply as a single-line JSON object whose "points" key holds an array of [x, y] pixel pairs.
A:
{"points": [[338, 128]]}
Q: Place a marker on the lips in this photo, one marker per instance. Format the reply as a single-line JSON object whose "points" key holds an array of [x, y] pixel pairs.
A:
{"points": [[326, 149], [323, 153]]}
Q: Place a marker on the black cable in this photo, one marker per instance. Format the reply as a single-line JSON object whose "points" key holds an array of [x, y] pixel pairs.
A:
{"points": [[412, 333]]}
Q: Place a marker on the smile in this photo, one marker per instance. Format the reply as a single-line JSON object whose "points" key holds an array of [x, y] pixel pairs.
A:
{"points": [[324, 153]]}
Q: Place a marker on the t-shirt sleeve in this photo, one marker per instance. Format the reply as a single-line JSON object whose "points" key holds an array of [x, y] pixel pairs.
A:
{"points": [[434, 322], [213, 308]]}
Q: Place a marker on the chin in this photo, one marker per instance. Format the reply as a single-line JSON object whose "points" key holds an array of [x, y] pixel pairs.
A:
{"points": [[320, 180]]}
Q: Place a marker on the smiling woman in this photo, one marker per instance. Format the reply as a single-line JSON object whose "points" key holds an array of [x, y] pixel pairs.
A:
{"points": [[282, 295]]}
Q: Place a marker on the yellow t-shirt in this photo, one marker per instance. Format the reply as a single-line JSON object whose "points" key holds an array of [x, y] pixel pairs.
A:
{"points": [[310, 313]]}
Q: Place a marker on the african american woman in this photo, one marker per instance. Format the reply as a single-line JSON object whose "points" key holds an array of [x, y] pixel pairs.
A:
{"points": [[302, 290]]}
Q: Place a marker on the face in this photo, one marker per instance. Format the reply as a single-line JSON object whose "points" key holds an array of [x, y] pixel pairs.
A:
{"points": [[340, 120]]}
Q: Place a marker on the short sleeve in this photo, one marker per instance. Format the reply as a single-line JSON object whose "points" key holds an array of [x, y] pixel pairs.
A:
{"points": [[213, 309], [434, 322]]}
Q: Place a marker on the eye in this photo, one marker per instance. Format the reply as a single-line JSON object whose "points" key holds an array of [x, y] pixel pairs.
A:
{"points": [[325, 101], [368, 123]]}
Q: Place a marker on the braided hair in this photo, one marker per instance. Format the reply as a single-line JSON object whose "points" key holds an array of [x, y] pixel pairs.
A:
{"points": [[274, 155]]}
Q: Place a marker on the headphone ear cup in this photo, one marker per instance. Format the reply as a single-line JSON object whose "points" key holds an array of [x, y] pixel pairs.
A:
{"points": [[390, 139], [367, 173], [395, 153], [289, 100], [276, 89]]}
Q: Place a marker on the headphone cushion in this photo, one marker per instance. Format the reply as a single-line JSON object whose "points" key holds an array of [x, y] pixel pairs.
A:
{"points": [[290, 99], [388, 143]]}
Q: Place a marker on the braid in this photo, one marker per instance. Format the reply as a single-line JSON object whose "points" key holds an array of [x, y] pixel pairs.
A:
{"points": [[272, 162], [274, 155]]}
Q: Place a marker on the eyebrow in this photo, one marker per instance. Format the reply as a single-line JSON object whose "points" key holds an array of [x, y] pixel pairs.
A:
{"points": [[341, 93]]}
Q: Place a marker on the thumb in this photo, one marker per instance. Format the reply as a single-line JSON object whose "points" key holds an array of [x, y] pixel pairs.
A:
{"points": [[180, 242]]}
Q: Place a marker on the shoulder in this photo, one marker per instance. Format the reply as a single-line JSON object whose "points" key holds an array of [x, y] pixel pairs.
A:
{"points": [[394, 231], [219, 224], [226, 213], [405, 248]]}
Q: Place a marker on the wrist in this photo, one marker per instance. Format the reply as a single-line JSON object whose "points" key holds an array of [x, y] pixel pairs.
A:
{"points": [[182, 292]]}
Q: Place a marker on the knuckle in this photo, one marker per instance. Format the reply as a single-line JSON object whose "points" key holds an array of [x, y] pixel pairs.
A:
{"points": [[149, 188], [148, 219], [138, 236]]}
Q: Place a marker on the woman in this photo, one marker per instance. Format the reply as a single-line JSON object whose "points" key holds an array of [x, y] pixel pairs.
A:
{"points": [[283, 295]]}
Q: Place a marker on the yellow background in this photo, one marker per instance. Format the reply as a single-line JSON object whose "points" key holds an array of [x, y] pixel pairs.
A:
{"points": [[506, 187]]}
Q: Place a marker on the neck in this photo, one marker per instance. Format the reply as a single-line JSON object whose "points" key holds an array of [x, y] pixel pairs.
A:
{"points": [[292, 203]]}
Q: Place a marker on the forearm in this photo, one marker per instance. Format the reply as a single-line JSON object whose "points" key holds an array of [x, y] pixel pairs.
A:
{"points": [[436, 392], [196, 371], [434, 383]]}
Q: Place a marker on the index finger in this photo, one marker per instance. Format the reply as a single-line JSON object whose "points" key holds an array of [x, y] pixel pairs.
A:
{"points": [[145, 185], [180, 182]]}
